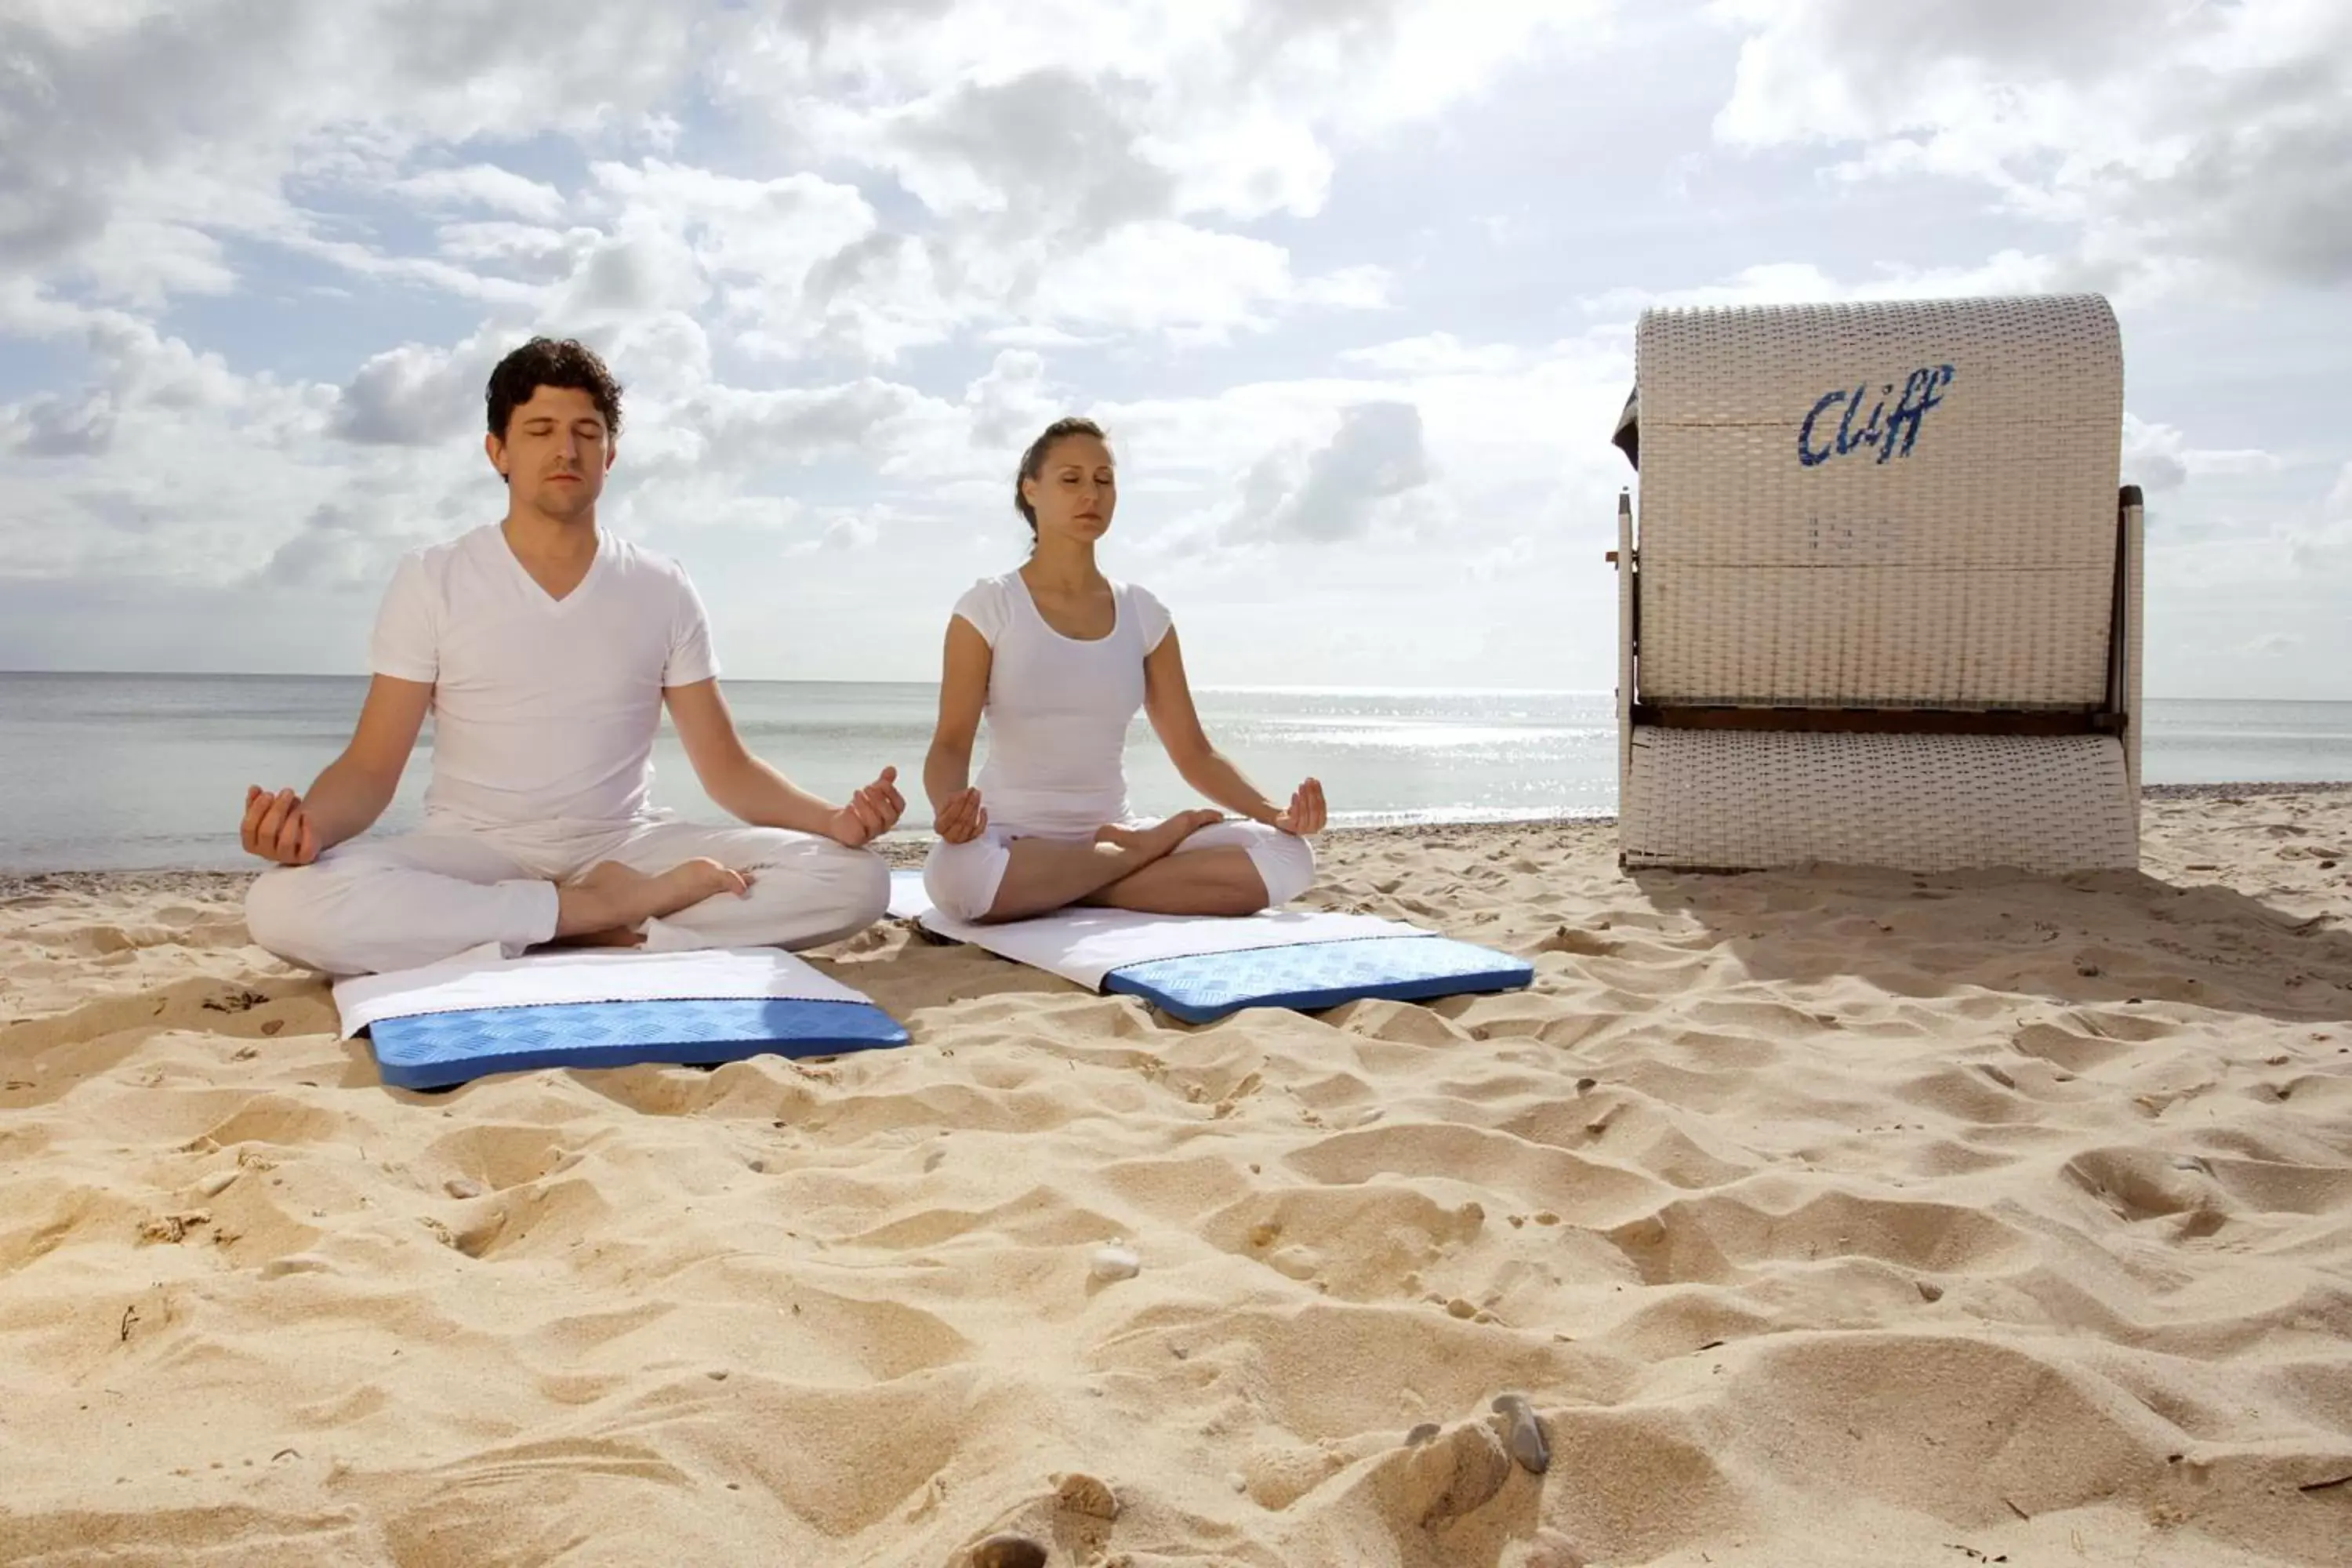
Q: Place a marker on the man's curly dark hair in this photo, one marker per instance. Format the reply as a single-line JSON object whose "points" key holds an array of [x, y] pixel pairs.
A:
{"points": [[543, 362]]}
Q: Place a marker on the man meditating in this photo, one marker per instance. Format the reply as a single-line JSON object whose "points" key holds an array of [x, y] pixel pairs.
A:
{"points": [[1059, 659], [544, 648]]}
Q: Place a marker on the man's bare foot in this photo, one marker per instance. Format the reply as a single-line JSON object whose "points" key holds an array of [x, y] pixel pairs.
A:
{"points": [[613, 897]]}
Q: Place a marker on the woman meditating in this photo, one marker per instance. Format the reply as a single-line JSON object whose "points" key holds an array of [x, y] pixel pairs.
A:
{"points": [[1059, 657]]}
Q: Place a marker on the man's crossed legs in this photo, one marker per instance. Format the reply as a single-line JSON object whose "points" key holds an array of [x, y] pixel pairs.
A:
{"points": [[370, 906]]}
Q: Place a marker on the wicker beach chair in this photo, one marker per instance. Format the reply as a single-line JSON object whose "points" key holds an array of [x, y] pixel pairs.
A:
{"points": [[1884, 605]]}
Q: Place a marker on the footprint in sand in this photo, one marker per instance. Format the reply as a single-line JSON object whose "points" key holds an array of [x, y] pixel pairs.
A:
{"points": [[1549, 1549], [1080, 1493], [1007, 1551], [1436, 1483]]}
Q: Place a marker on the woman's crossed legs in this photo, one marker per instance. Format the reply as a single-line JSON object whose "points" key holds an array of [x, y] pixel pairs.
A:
{"points": [[1195, 863]]}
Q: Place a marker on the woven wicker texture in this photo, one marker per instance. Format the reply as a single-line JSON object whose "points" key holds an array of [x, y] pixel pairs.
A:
{"points": [[1752, 799], [1904, 504]]}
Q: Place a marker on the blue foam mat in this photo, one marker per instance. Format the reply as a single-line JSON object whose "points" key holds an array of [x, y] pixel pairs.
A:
{"points": [[438, 1050], [1317, 974]]}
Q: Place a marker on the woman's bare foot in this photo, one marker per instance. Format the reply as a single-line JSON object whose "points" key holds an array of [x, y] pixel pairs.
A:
{"points": [[610, 897], [1160, 837]]}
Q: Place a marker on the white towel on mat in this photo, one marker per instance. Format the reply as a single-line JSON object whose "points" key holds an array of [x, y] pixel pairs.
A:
{"points": [[480, 978]]}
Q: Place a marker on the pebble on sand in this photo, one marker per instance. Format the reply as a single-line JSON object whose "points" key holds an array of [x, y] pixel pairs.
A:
{"points": [[462, 1187], [1113, 1261], [1523, 1434]]}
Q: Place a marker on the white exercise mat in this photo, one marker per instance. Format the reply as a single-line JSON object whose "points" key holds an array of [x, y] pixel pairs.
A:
{"points": [[1084, 944], [472, 980]]}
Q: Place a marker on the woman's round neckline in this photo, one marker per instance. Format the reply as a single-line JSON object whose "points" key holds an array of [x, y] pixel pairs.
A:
{"points": [[1117, 615]]}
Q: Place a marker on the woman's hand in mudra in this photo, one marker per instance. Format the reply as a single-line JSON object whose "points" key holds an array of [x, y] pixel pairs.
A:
{"points": [[961, 818], [1307, 814]]}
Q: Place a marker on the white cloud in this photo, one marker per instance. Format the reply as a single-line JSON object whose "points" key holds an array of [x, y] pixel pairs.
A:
{"points": [[484, 185], [140, 136], [1337, 493], [2321, 548], [139, 378], [1390, 487], [851, 532], [737, 430], [540, 254], [225, 123], [1191, 283], [414, 395], [1438, 353], [1011, 403], [684, 237], [1079, 161], [1179, 107], [1804, 283], [2159, 457], [2171, 139], [342, 548]]}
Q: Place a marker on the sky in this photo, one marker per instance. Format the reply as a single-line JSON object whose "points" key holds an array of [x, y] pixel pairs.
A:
{"points": [[1351, 282]]}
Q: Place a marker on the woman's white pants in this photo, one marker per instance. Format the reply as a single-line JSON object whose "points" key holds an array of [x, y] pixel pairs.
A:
{"points": [[962, 878]]}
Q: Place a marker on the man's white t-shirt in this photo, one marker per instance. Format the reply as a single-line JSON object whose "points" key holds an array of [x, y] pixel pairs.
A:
{"points": [[544, 710], [1058, 708]]}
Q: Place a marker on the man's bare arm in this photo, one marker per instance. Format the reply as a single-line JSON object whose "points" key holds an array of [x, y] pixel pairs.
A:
{"points": [[346, 798], [753, 792]]}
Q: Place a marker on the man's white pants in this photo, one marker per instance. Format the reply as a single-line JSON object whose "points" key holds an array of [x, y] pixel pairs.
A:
{"points": [[373, 905]]}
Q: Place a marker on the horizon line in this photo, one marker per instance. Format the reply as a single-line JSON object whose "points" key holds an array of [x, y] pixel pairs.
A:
{"points": [[1297, 690]]}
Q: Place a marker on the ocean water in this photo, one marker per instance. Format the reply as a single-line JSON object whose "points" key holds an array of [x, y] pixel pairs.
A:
{"points": [[107, 771]]}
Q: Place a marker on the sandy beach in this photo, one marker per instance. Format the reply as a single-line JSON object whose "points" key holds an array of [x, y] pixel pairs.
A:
{"points": [[1825, 1217]]}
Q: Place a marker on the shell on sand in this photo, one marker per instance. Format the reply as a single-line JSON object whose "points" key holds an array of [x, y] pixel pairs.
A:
{"points": [[1112, 1262]]}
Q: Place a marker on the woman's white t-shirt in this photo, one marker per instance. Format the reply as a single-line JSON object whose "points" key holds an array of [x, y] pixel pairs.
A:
{"points": [[544, 710], [1058, 708]]}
